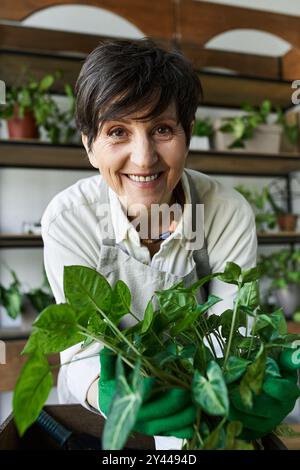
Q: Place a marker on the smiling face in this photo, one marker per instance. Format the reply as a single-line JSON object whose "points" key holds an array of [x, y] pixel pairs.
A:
{"points": [[130, 147]]}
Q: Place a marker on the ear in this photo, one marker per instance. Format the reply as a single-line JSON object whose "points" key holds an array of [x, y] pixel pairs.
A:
{"points": [[90, 153]]}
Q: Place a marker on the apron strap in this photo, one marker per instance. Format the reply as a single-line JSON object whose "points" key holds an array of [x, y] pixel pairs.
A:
{"points": [[200, 256]]}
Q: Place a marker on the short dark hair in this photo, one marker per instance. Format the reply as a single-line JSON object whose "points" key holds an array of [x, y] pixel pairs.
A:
{"points": [[122, 76]]}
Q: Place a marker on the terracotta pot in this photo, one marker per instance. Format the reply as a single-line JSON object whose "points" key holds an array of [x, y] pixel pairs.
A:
{"points": [[22, 128], [287, 222]]}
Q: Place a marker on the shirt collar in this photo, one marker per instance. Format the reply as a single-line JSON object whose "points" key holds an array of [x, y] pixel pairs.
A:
{"points": [[124, 229]]}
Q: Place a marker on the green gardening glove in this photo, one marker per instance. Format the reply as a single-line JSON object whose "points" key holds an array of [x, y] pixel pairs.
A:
{"points": [[169, 413], [272, 405]]}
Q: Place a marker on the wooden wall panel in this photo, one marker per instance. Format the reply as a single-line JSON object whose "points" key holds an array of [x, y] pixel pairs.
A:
{"points": [[45, 40], [250, 65], [200, 21], [291, 65], [152, 18]]}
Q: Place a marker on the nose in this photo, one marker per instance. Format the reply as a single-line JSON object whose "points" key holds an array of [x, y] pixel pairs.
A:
{"points": [[143, 151]]}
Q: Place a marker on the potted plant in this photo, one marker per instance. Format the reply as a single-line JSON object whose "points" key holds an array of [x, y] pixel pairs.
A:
{"points": [[202, 133], [290, 125], [250, 131], [264, 218], [286, 220], [168, 345], [30, 107], [11, 299], [19, 306], [283, 269]]}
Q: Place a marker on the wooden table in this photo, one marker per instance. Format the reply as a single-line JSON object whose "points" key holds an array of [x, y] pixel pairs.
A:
{"points": [[292, 443]]}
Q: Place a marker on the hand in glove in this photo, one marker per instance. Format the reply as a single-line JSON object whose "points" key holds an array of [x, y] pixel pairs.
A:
{"points": [[169, 413], [273, 404]]}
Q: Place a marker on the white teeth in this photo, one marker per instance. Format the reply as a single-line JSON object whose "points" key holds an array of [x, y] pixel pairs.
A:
{"points": [[143, 178]]}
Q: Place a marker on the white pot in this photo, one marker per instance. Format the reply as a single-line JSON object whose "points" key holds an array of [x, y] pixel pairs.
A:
{"points": [[266, 139], [199, 143]]}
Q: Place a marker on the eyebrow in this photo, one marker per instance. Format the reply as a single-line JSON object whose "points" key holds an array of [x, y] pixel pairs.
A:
{"points": [[159, 118]]}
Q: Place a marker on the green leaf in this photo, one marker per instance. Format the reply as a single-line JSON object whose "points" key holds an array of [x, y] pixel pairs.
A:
{"points": [[235, 368], [233, 429], [211, 393], [253, 379], [191, 317], [215, 438], [247, 342], [169, 354], [124, 408], [231, 273], [54, 317], [194, 287], [120, 301], [251, 275], [86, 288], [49, 342], [201, 358], [12, 301], [148, 317], [249, 294], [46, 83], [174, 303], [31, 391], [272, 368]]}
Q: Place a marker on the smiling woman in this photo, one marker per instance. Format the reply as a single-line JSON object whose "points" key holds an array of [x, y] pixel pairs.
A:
{"points": [[135, 108]]}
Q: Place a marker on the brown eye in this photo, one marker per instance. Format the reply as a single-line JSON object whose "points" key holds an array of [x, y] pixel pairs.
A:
{"points": [[117, 132], [164, 130]]}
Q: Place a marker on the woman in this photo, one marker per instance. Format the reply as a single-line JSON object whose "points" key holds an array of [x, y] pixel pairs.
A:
{"points": [[135, 109]]}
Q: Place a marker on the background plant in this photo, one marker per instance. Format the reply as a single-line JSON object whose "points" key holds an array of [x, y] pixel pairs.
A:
{"points": [[282, 267], [242, 127], [168, 344], [12, 297], [203, 128], [259, 201], [34, 96]]}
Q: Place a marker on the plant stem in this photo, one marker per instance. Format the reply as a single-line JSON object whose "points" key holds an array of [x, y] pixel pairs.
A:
{"points": [[232, 327]]}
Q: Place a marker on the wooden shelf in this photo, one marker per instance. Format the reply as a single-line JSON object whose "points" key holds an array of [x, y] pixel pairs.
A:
{"points": [[294, 327], [223, 90], [243, 163], [20, 241], [35, 241], [36, 154], [279, 238]]}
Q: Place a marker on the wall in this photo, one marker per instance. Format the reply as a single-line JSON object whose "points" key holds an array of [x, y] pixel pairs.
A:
{"points": [[24, 193]]}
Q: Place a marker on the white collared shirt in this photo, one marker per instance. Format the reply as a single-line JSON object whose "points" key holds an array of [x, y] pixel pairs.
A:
{"points": [[71, 237], [172, 256]]}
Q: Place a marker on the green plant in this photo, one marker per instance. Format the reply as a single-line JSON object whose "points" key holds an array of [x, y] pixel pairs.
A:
{"points": [[12, 297], [290, 130], [282, 267], [278, 195], [203, 128], [167, 344], [242, 127], [42, 296], [258, 200], [34, 96]]}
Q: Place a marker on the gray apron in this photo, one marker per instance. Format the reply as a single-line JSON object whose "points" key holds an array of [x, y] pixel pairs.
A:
{"points": [[143, 280]]}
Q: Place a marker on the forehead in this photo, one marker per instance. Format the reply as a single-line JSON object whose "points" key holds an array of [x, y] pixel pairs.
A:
{"points": [[170, 112]]}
